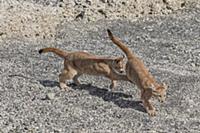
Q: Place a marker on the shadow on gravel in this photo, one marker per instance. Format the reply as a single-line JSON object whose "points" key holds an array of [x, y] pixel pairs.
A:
{"points": [[118, 98], [49, 83]]}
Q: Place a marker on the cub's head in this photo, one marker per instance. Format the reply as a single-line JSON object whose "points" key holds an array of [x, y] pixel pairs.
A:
{"points": [[160, 92], [118, 64]]}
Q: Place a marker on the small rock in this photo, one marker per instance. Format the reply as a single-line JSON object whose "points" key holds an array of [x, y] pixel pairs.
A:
{"points": [[1, 33], [193, 64], [50, 96]]}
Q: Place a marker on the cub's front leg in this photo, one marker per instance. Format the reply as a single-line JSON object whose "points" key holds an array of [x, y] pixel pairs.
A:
{"points": [[149, 108], [146, 94], [113, 84], [116, 76]]}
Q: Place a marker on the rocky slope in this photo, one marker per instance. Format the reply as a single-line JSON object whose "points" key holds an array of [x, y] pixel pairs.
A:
{"points": [[38, 19]]}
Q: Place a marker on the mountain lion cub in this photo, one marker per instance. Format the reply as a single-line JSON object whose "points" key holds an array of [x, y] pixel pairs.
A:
{"points": [[78, 63], [138, 74]]}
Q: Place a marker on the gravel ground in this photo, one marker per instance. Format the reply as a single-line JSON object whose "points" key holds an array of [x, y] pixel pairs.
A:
{"points": [[31, 101]]}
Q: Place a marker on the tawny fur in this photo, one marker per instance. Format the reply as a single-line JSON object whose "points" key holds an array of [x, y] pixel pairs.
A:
{"points": [[138, 74], [78, 63]]}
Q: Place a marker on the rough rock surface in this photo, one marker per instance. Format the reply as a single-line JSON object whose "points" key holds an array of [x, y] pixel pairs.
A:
{"points": [[38, 19], [31, 101]]}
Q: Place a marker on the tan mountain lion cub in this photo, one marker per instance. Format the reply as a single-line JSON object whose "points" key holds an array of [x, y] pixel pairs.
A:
{"points": [[138, 74], [78, 63]]}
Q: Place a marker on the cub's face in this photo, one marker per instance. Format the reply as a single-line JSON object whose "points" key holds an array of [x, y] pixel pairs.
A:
{"points": [[160, 92], [118, 64]]}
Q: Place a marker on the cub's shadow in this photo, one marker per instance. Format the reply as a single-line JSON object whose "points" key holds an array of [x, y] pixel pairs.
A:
{"points": [[120, 99], [49, 83]]}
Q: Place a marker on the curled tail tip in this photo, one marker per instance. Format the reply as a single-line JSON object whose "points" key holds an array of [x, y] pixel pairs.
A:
{"points": [[108, 30], [40, 51], [109, 33]]}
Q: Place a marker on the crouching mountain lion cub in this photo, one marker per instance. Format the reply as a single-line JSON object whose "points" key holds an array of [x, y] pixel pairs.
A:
{"points": [[138, 74], [78, 63]]}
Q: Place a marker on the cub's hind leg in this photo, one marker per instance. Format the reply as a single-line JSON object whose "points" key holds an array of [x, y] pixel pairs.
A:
{"points": [[75, 79], [65, 75]]}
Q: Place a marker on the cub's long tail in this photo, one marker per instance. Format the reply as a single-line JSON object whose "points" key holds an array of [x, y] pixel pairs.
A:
{"points": [[58, 52], [120, 44]]}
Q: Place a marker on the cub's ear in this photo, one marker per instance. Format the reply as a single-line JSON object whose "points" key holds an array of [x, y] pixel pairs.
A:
{"points": [[119, 59], [122, 57], [165, 85], [149, 92], [153, 89]]}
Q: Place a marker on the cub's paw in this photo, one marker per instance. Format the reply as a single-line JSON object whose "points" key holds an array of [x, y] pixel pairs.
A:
{"points": [[151, 112], [77, 83], [63, 86]]}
